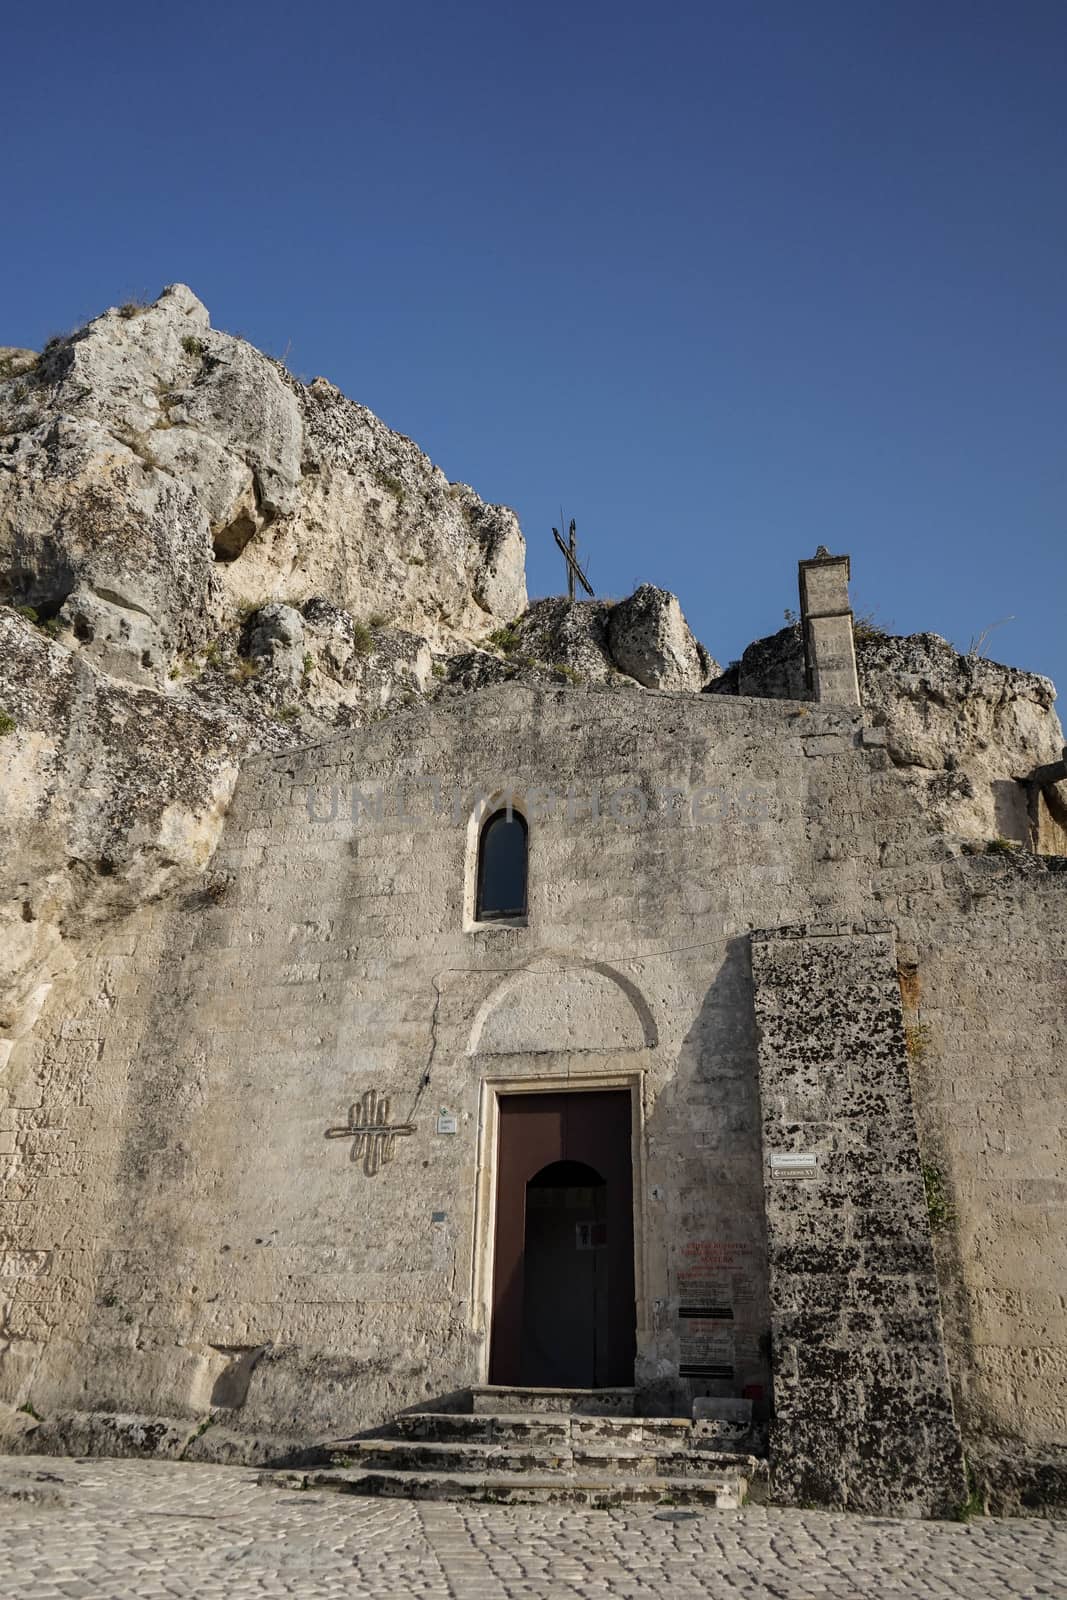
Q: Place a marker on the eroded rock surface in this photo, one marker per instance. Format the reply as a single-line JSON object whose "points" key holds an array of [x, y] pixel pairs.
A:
{"points": [[157, 475], [649, 638], [641, 640], [110, 798], [965, 732], [944, 710]]}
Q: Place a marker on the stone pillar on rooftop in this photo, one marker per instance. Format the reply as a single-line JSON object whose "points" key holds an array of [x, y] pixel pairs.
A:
{"points": [[826, 622]]}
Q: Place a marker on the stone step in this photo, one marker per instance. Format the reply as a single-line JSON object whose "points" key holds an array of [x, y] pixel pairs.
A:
{"points": [[497, 1398], [670, 1431], [547, 1428], [450, 1456], [484, 1427], [725, 1490], [635, 1461]]}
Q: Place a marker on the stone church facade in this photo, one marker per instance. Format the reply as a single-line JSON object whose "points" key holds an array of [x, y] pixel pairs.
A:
{"points": [[296, 1140]]}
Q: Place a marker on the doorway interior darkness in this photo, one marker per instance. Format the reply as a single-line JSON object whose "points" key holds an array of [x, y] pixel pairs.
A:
{"points": [[563, 1282]]}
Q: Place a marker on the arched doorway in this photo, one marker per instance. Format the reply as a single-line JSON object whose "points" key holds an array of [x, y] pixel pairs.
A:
{"points": [[563, 1283], [565, 1276]]}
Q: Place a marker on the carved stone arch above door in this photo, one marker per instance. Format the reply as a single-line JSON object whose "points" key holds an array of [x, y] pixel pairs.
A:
{"points": [[562, 1003]]}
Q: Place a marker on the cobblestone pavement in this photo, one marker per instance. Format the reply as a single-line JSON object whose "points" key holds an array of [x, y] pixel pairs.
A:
{"points": [[116, 1530]]}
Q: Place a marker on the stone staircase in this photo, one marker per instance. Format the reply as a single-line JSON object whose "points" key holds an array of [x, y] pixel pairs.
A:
{"points": [[560, 1446]]}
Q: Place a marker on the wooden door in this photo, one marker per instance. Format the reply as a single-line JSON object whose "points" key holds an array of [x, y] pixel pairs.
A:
{"points": [[537, 1131]]}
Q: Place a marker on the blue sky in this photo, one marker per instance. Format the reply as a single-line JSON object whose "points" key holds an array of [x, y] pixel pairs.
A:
{"points": [[727, 281]]}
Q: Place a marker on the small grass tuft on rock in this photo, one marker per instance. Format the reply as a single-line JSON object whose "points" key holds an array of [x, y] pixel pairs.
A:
{"points": [[867, 628], [938, 1204], [197, 1433], [45, 625], [505, 639], [362, 639], [16, 365], [392, 485], [974, 1504]]}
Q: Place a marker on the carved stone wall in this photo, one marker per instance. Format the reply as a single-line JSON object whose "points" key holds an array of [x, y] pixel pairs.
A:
{"points": [[863, 1410], [984, 942], [187, 1192]]}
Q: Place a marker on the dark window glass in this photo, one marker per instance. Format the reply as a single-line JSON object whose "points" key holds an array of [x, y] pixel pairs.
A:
{"points": [[502, 867]]}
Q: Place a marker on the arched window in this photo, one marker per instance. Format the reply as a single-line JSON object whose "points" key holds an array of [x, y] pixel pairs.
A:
{"points": [[502, 855]]}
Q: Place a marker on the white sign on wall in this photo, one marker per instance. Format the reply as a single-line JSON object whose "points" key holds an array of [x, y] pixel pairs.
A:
{"points": [[794, 1163]]}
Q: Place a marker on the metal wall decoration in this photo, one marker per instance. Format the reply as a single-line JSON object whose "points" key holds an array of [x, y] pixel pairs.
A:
{"points": [[373, 1136]]}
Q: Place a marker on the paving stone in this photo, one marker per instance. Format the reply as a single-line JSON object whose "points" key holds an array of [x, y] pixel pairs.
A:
{"points": [[144, 1530]]}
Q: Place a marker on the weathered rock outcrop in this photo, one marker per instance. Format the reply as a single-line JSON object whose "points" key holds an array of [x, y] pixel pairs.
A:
{"points": [[943, 710], [965, 731], [157, 475], [770, 669], [642, 640], [650, 639], [111, 797], [573, 638]]}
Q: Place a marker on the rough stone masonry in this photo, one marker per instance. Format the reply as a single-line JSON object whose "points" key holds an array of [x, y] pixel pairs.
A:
{"points": [[266, 678]]}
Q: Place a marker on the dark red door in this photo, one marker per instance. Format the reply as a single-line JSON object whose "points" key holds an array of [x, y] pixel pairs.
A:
{"points": [[586, 1283]]}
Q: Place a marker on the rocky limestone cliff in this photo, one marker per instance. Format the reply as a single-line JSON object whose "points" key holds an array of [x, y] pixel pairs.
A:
{"points": [[157, 476]]}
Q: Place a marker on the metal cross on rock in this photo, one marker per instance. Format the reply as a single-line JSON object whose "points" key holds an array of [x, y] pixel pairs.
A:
{"points": [[570, 555]]}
